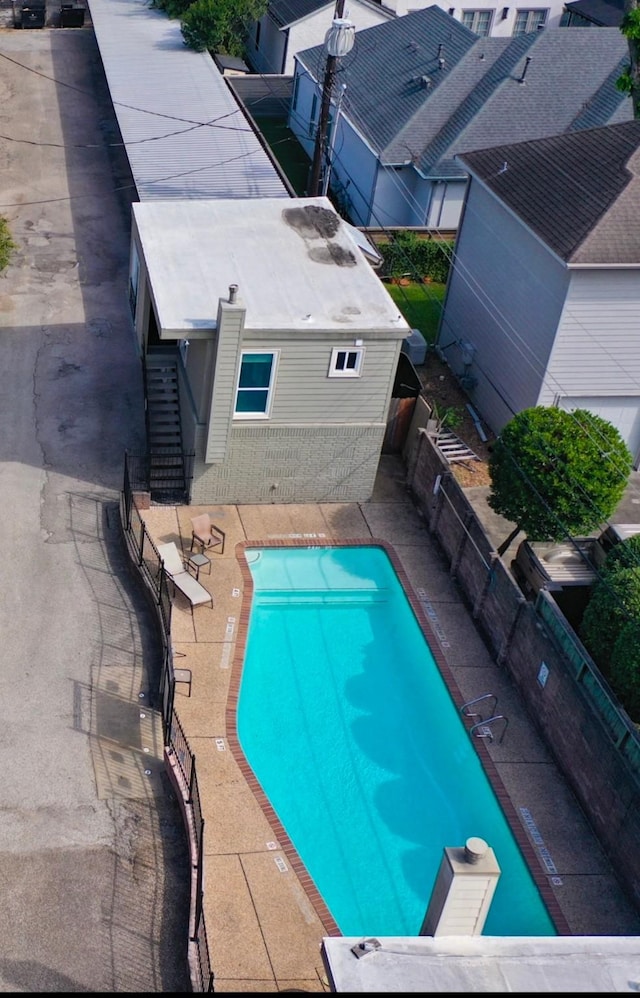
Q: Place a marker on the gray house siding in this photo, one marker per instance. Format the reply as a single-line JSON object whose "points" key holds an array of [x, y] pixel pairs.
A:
{"points": [[597, 347], [198, 366], [269, 55], [505, 298], [445, 206]]}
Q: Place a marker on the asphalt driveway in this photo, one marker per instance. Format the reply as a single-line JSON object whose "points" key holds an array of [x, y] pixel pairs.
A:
{"points": [[93, 859]]}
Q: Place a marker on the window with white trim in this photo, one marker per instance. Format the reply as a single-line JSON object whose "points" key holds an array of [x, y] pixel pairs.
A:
{"points": [[255, 384], [529, 20], [346, 363], [478, 21]]}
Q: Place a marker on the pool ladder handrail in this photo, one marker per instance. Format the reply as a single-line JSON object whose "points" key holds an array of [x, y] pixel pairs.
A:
{"points": [[486, 731], [470, 703]]}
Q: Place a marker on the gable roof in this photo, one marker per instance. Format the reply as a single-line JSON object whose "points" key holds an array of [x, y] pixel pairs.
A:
{"points": [[288, 12], [489, 90], [579, 192], [285, 12], [607, 13]]}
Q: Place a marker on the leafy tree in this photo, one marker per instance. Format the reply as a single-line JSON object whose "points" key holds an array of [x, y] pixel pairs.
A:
{"points": [[556, 473], [629, 82], [220, 25], [625, 668], [614, 602], [7, 245], [173, 8], [626, 554]]}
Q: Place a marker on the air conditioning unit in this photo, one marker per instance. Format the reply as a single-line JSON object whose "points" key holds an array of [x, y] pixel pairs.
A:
{"points": [[415, 347]]}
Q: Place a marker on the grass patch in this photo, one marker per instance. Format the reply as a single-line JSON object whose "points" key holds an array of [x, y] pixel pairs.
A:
{"points": [[287, 150], [421, 306]]}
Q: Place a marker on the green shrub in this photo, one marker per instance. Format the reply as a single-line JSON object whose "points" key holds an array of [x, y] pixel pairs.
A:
{"points": [[220, 25], [625, 668], [556, 473], [626, 554], [615, 602], [407, 253], [436, 259], [7, 245], [172, 8]]}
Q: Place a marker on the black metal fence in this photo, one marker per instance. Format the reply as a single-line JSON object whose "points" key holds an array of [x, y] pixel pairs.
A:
{"points": [[147, 559], [166, 474]]}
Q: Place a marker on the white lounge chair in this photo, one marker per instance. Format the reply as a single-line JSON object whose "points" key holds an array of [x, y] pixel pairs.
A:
{"points": [[175, 568]]}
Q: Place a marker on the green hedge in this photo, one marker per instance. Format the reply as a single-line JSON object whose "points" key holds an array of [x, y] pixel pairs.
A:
{"points": [[407, 253], [625, 668], [7, 245], [614, 602]]}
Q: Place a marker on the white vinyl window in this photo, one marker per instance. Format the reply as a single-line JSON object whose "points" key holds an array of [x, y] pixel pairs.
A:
{"points": [[255, 384], [478, 21], [346, 363], [529, 20]]}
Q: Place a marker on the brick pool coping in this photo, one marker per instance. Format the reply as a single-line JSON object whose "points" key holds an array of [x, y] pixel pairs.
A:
{"points": [[531, 857]]}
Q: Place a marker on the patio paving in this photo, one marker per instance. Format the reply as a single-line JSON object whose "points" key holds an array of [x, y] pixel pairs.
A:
{"points": [[265, 921]]}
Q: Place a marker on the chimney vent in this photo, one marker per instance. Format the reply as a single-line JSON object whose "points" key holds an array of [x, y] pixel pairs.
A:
{"points": [[233, 293], [524, 71]]}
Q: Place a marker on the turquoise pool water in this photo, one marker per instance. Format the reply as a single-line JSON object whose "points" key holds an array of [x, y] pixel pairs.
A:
{"points": [[350, 730]]}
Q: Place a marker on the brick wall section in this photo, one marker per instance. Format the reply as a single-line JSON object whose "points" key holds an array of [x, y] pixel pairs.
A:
{"points": [[267, 464], [584, 748]]}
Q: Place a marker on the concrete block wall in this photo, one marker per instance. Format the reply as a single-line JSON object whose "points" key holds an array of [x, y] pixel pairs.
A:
{"points": [[588, 751]]}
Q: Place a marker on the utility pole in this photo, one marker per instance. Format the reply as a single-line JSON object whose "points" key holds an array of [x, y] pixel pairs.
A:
{"points": [[337, 45]]}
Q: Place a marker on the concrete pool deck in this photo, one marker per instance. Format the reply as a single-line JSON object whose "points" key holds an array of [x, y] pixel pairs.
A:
{"points": [[265, 921]]}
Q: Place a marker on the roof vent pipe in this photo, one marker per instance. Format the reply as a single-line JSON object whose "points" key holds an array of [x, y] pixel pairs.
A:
{"points": [[233, 293], [524, 71]]}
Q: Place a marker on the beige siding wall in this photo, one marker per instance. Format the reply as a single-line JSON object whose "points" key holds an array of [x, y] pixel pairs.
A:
{"points": [[230, 325], [311, 463], [304, 394]]}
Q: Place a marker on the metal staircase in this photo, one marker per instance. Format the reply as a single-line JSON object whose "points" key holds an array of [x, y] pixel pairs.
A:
{"points": [[168, 482]]}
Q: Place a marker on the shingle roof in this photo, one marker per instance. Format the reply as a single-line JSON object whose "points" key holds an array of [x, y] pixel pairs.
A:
{"points": [[289, 11], [607, 13], [579, 192], [478, 98]]}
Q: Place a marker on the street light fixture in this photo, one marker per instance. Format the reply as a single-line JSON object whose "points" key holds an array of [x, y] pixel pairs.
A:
{"points": [[338, 42]]}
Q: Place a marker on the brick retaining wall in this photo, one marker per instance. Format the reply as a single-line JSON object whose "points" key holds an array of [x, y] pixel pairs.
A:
{"points": [[589, 752]]}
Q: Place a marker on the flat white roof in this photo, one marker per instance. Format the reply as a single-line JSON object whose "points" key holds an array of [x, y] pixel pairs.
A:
{"points": [[471, 964], [296, 264], [183, 130]]}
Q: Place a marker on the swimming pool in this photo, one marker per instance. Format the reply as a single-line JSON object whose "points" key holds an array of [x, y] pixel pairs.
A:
{"points": [[348, 726]]}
